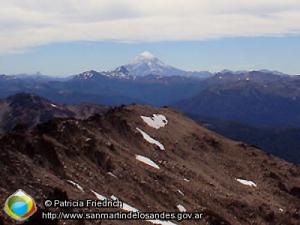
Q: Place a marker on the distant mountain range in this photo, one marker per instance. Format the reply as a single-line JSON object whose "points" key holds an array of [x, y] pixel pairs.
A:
{"points": [[254, 99], [280, 141], [158, 84]]}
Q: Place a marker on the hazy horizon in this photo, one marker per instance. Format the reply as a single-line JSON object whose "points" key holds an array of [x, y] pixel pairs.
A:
{"points": [[65, 37]]}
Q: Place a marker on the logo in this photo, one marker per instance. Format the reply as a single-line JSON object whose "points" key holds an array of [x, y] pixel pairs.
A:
{"points": [[20, 206]]}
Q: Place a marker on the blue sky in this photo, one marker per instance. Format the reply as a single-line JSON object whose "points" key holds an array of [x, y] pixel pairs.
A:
{"points": [[62, 37], [277, 53]]}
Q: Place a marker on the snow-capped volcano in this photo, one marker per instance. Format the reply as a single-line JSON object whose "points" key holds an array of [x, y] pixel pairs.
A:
{"points": [[143, 65], [147, 64]]}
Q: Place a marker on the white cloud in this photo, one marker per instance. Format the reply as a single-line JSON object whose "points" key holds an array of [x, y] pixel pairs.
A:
{"points": [[28, 23]]}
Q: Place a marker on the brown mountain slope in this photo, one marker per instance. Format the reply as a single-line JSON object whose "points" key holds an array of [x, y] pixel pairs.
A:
{"points": [[198, 169], [30, 110]]}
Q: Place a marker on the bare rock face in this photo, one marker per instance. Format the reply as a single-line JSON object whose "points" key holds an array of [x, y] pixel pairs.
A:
{"points": [[230, 182]]}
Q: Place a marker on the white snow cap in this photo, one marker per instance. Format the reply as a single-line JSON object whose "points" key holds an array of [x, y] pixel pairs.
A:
{"points": [[246, 182], [146, 55], [156, 121], [147, 161], [181, 208], [150, 139]]}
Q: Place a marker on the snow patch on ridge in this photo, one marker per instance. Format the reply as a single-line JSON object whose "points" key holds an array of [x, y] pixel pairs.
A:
{"points": [[156, 121], [129, 208], [149, 139], [75, 185], [100, 197], [181, 208], [111, 174], [53, 105], [246, 182], [125, 207], [161, 222], [180, 192], [147, 161]]}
